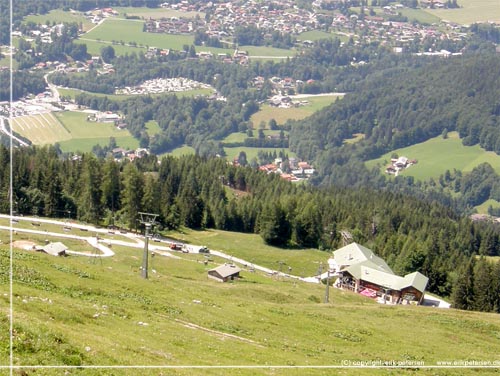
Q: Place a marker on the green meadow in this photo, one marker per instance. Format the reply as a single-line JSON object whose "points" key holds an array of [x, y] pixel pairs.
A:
{"points": [[281, 115], [419, 15], [80, 312], [131, 31], [85, 134], [470, 11], [94, 47], [437, 155]]}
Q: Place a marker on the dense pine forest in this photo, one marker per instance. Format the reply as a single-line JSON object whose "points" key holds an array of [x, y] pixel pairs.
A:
{"points": [[209, 193]]}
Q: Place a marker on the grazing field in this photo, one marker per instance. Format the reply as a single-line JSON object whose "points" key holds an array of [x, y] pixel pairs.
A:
{"points": [[60, 16], [131, 31], [85, 134], [75, 311], [470, 11], [235, 137], [41, 129], [419, 15], [437, 155], [281, 115]]}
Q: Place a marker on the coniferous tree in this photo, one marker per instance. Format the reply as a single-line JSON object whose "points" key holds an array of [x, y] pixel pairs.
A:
{"points": [[483, 284], [132, 194], [463, 291], [89, 199]]}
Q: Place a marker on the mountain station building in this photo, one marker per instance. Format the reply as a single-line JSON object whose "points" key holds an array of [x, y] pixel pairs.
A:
{"points": [[360, 270]]}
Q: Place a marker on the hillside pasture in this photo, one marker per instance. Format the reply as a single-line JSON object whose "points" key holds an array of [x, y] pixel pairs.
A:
{"points": [[470, 11], [281, 115], [41, 129], [74, 311], [437, 155]]}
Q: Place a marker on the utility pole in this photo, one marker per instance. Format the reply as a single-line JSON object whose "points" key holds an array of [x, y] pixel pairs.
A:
{"points": [[148, 220], [331, 266]]}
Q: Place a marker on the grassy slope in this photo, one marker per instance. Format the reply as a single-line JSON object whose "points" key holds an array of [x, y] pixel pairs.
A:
{"points": [[281, 115], [437, 155], [75, 311]]}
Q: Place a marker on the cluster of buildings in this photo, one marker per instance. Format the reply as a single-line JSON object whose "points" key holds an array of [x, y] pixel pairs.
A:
{"points": [[97, 15], [163, 85], [298, 171], [283, 16], [398, 164]]}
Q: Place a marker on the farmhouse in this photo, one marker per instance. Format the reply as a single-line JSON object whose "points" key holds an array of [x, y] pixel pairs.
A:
{"points": [[361, 271], [224, 273]]}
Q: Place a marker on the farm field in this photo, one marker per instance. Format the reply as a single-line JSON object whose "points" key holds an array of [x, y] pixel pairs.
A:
{"points": [[131, 31], [85, 134], [41, 129], [152, 128], [470, 11], [73, 311], [437, 155], [281, 115]]}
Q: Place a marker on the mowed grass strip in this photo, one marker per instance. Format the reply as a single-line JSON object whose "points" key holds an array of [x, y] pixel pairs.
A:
{"points": [[470, 11], [437, 155], [41, 129]]}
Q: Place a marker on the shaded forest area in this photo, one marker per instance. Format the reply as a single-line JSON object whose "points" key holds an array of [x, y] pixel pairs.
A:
{"points": [[209, 193]]}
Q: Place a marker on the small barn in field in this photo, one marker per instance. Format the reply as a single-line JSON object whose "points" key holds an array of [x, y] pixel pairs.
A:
{"points": [[224, 273], [54, 249]]}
